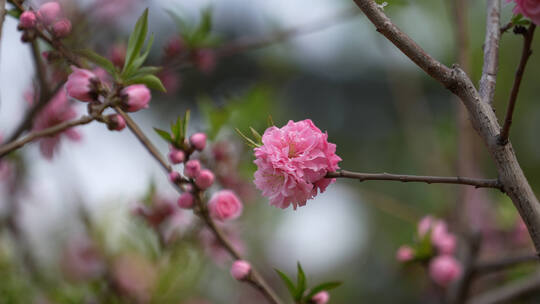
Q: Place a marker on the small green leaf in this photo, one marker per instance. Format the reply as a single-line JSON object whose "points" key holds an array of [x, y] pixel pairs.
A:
{"points": [[256, 135], [287, 281], [98, 59], [140, 59], [164, 134], [136, 40], [186, 123], [301, 283], [248, 140], [150, 81], [324, 286], [14, 12], [147, 70], [270, 121], [175, 130]]}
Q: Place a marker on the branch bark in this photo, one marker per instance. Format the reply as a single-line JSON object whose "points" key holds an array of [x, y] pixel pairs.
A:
{"points": [[476, 182], [509, 292], [483, 118], [504, 263], [491, 51]]}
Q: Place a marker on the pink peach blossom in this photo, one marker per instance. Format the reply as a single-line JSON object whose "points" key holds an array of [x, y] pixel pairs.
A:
{"points": [[62, 28], [49, 12], [198, 141], [225, 205], [205, 179], [425, 224], [186, 200], [192, 168], [321, 297], [57, 111], [176, 156], [240, 270], [292, 163], [27, 20], [117, 54], [136, 97], [444, 269], [528, 8], [404, 253]]}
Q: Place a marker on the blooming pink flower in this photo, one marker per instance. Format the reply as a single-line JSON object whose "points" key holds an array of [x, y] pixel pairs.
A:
{"points": [[27, 20], [176, 156], [62, 28], [321, 297], [192, 168], [205, 179], [136, 97], [186, 200], [292, 163], [198, 141], [80, 84], [444, 269], [240, 270], [528, 8], [225, 205], [49, 12], [404, 254], [58, 110]]}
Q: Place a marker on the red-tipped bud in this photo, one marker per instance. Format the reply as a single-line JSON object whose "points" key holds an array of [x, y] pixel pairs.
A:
{"points": [[27, 20], [198, 141], [205, 179], [136, 97]]}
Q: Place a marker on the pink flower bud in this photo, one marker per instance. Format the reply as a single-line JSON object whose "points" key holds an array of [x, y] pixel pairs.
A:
{"points": [[205, 60], [117, 55], [198, 141], [240, 270], [80, 84], [425, 225], [115, 122], [439, 230], [62, 28], [444, 269], [405, 254], [176, 156], [174, 176], [225, 205], [321, 297], [49, 12], [136, 97], [186, 200], [192, 168], [173, 47], [27, 20], [446, 244], [205, 179]]}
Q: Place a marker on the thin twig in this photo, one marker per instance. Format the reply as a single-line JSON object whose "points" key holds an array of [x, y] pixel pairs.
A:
{"points": [[2, 15], [509, 291], [250, 43], [525, 54], [255, 279], [476, 182], [486, 267], [11, 146], [491, 51]]}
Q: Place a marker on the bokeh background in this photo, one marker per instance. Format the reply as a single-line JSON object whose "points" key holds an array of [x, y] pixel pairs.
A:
{"points": [[383, 113]]}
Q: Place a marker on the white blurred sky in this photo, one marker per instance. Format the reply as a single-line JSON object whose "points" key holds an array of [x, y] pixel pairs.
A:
{"points": [[112, 167]]}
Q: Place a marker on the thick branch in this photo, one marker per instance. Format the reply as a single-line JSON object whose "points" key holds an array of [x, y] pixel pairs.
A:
{"points": [[525, 54], [509, 292], [483, 118], [4, 149], [476, 182], [491, 51]]}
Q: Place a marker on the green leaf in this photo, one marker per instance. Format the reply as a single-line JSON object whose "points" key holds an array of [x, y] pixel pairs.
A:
{"points": [[138, 62], [14, 12], [147, 70], [324, 286], [256, 135], [270, 121], [175, 129], [301, 283], [150, 81], [98, 59], [136, 40], [164, 134], [248, 140], [287, 281], [186, 123]]}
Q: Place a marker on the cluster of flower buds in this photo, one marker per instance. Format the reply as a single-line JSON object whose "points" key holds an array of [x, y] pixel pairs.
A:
{"points": [[49, 16], [436, 245]]}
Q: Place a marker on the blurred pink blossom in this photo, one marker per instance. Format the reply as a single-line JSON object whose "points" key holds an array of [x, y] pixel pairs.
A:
{"points": [[225, 205], [57, 111], [404, 253], [292, 163], [214, 249], [444, 269], [81, 260], [134, 276], [528, 8]]}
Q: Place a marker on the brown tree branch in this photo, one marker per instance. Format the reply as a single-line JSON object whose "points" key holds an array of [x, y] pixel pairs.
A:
{"points": [[525, 54], [504, 263], [509, 292], [475, 182], [491, 51], [483, 118], [11, 146]]}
